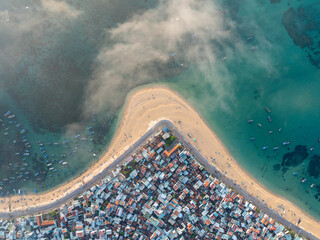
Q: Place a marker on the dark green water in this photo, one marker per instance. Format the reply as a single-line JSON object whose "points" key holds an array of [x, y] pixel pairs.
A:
{"points": [[66, 67]]}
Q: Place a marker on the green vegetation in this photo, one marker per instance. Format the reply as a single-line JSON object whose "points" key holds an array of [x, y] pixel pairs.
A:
{"points": [[291, 232], [129, 168], [170, 140], [52, 214]]}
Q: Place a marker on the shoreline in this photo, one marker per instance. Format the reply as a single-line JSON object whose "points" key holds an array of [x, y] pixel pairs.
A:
{"points": [[150, 105]]}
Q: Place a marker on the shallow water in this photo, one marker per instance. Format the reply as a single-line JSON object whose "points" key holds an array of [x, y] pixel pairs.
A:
{"points": [[267, 61]]}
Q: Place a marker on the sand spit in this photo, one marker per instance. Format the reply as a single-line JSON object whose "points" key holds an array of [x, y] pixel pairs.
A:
{"points": [[143, 109]]}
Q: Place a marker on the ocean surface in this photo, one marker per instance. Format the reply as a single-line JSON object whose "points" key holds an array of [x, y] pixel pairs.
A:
{"points": [[250, 67]]}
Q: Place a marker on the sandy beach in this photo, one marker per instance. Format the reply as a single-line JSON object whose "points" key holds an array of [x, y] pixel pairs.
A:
{"points": [[143, 109]]}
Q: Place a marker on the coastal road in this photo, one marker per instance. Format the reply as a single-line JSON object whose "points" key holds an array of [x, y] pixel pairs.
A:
{"points": [[102, 174], [229, 182], [200, 158]]}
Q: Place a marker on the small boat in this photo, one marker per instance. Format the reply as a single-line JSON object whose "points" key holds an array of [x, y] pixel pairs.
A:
{"points": [[254, 48], [295, 174], [265, 147], [267, 110], [270, 132], [269, 119], [64, 163], [259, 124], [252, 138], [35, 190], [312, 185], [275, 148], [250, 121], [311, 149], [304, 180], [285, 143]]}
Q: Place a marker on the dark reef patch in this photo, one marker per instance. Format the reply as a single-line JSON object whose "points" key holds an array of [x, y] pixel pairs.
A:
{"points": [[296, 24], [276, 167], [314, 166], [303, 26], [293, 159]]}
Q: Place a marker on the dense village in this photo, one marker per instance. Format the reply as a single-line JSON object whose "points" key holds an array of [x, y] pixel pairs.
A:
{"points": [[160, 192]]}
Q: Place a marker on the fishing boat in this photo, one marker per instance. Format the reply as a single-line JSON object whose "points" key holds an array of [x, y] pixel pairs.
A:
{"points": [[250, 121], [312, 185], [285, 143], [252, 138], [304, 180], [259, 124], [275, 148], [265, 147], [267, 110], [269, 119]]}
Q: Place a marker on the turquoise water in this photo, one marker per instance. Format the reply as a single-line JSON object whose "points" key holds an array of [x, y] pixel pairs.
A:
{"points": [[66, 79]]}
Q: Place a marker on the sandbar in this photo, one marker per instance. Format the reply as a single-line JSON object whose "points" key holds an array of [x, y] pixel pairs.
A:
{"points": [[145, 107]]}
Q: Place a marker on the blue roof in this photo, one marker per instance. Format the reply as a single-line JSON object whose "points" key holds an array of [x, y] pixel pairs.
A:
{"points": [[165, 129]]}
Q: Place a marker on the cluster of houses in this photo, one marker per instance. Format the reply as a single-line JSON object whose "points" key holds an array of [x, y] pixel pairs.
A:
{"points": [[160, 192]]}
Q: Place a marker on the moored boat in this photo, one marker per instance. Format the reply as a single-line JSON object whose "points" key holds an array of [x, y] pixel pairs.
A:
{"points": [[285, 143]]}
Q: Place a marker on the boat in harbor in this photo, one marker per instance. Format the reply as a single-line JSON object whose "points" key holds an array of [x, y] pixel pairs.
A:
{"points": [[252, 138], [312, 185], [259, 124], [250, 121], [269, 119], [304, 180], [285, 143], [275, 148], [267, 110], [265, 147]]}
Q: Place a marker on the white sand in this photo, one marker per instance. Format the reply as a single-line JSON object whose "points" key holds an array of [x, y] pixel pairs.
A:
{"points": [[143, 109]]}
